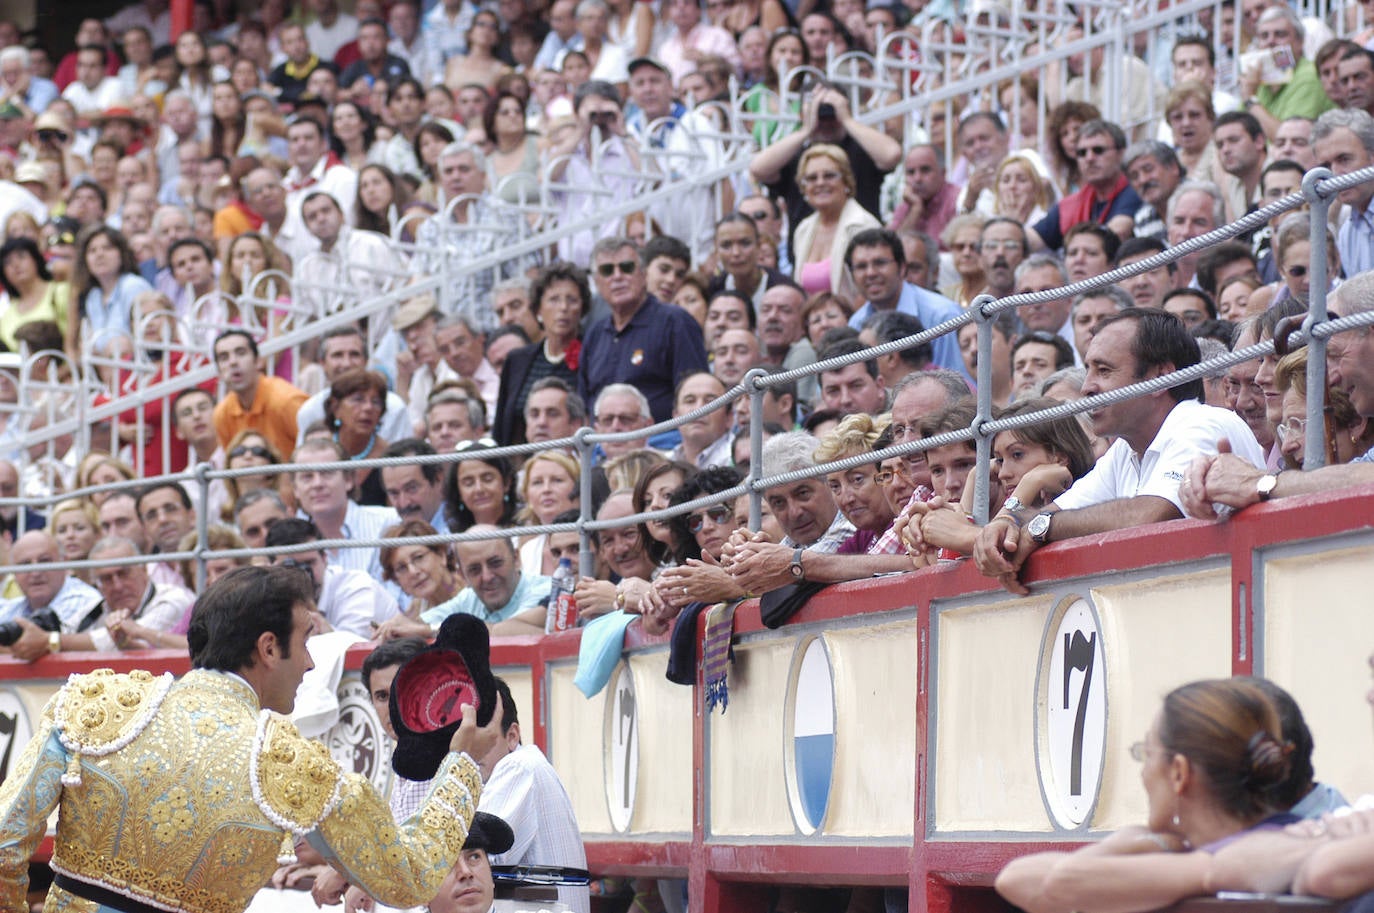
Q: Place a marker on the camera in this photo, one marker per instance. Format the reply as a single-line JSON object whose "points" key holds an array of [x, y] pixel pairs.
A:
{"points": [[825, 111], [603, 119], [45, 619], [10, 631]]}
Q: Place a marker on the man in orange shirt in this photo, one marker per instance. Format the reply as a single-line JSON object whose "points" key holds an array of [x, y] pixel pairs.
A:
{"points": [[266, 404]]}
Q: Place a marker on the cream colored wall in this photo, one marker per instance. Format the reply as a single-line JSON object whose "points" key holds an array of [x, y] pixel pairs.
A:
{"points": [[982, 714], [663, 798], [1156, 634], [575, 727], [873, 789], [747, 786], [1318, 635], [521, 682]]}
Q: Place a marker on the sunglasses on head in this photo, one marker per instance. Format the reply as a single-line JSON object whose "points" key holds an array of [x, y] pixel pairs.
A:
{"points": [[626, 267]]}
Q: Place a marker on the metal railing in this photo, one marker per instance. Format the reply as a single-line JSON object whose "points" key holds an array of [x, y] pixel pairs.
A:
{"points": [[1318, 189]]}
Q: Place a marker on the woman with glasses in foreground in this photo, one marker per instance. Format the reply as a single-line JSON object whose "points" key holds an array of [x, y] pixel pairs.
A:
{"points": [[1214, 766]]}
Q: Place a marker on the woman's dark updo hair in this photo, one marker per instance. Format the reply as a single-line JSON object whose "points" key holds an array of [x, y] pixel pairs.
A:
{"points": [[711, 480], [1229, 730]]}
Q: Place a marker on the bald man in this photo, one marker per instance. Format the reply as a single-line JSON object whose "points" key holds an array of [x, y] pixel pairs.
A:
{"points": [[56, 609]]}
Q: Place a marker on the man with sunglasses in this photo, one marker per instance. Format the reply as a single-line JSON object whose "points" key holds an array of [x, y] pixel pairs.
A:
{"points": [[1106, 197], [642, 342]]}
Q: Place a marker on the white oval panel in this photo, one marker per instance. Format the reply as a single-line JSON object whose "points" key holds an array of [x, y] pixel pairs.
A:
{"points": [[622, 749], [1071, 713]]}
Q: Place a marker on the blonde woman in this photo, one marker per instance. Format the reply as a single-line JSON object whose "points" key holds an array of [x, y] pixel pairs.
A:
{"points": [[549, 487], [827, 182], [1022, 194], [75, 525]]}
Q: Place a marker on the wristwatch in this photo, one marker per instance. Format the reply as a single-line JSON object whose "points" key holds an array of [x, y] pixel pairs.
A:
{"points": [[798, 572], [1265, 486], [54, 641], [1012, 504], [1039, 527]]}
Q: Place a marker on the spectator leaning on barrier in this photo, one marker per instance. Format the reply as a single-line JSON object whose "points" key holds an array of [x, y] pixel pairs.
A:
{"points": [[138, 612], [66, 608], [1138, 480], [1226, 481], [509, 601]]}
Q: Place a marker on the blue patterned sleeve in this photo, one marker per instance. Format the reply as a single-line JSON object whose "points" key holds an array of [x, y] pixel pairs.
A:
{"points": [[27, 799]]}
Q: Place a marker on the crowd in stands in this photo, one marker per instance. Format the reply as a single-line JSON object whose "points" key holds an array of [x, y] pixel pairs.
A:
{"points": [[174, 203]]}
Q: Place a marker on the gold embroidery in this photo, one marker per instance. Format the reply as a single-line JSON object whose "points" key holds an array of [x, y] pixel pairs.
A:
{"points": [[101, 711], [296, 781]]}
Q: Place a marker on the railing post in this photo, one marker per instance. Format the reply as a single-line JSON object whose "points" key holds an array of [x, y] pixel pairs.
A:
{"points": [[1314, 448], [202, 522], [756, 394], [585, 565], [983, 442]]}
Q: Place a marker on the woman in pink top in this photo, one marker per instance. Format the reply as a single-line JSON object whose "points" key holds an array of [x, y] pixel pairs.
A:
{"points": [[818, 246]]}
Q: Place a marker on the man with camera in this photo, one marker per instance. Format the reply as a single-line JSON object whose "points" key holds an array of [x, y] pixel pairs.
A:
{"points": [[56, 608], [826, 118]]}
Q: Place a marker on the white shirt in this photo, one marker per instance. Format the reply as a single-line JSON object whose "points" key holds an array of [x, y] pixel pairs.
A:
{"points": [[362, 265], [338, 180], [71, 604], [327, 40], [352, 601], [364, 523], [162, 607], [1191, 429], [525, 791], [87, 101]]}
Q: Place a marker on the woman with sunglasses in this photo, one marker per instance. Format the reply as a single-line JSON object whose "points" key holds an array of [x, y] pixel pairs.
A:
{"points": [[249, 448], [354, 410], [1293, 256], [702, 534], [561, 299], [1214, 767]]}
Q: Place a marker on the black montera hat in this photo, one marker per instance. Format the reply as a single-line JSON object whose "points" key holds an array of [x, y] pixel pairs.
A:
{"points": [[430, 690]]}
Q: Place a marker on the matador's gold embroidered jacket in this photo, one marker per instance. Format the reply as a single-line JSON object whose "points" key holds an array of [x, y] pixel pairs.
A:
{"points": [[181, 794]]}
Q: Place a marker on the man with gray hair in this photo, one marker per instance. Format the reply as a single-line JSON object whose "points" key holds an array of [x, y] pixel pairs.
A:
{"points": [[1344, 142], [618, 408], [922, 258], [1302, 95], [461, 339], [1154, 171], [55, 610], [642, 341], [807, 513], [1090, 309], [472, 225], [1196, 208], [1041, 273], [138, 612]]}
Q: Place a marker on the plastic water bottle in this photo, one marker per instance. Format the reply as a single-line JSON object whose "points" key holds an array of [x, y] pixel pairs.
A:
{"points": [[562, 604]]}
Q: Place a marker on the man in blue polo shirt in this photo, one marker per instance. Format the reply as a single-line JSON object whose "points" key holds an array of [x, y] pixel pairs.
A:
{"points": [[1106, 197], [877, 260], [642, 342]]}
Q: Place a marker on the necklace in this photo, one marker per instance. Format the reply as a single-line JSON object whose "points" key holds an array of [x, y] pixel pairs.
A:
{"points": [[371, 442]]}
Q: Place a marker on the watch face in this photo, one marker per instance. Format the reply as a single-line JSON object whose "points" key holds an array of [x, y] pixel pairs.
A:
{"points": [[1039, 526], [796, 570]]}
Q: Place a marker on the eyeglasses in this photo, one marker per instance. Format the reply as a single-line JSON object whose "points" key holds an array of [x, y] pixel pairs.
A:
{"points": [[360, 400], [1292, 429], [719, 514], [610, 420], [1085, 151], [991, 247], [1138, 751], [261, 453], [415, 563], [626, 267], [965, 245], [864, 266], [480, 442], [821, 176], [756, 216]]}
